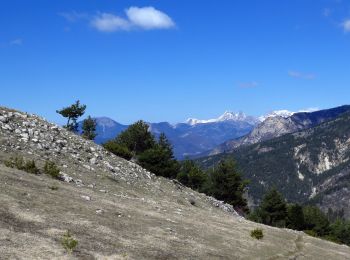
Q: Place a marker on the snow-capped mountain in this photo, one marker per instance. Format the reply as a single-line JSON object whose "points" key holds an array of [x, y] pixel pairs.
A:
{"points": [[281, 113], [227, 116], [285, 113]]}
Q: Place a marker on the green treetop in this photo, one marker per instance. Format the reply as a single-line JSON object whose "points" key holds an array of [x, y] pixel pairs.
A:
{"points": [[72, 113], [89, 128]]}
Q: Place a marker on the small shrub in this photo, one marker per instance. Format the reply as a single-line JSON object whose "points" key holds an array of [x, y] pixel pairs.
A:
{"points": [[51, 169], [257, 233], [68, 242], [310, 233], [20, 164], [9, 164], [30, 167], [53, 187], [15, 162]]}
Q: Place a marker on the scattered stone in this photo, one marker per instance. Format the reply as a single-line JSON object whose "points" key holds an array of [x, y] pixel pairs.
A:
{"points": [[78, 182], [93, 160], [99, 211], [65, 177], [87, 198]]}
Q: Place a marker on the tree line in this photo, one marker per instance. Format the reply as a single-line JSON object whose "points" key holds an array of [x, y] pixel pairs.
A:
{"points": [[275, 211], [137, 143]]}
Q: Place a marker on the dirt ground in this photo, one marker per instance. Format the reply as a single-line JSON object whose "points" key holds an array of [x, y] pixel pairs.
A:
{"points": [[113, 219]]}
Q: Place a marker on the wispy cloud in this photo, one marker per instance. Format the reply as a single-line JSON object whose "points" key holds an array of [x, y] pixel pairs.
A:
{"points": [[73, 16], [110, 23], [301, 75], [308, 110], [252, 84], [17, 42], [327, 12], [145, 18], [346, 25]]}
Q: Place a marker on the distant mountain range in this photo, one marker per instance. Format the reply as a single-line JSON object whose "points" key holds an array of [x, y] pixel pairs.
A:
{"points": [[190, 138], [196, 137]]}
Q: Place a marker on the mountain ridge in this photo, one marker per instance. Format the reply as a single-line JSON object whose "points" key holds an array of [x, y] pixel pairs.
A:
{"points": [[277, 125]]}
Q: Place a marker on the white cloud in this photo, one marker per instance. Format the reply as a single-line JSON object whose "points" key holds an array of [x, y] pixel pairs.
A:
{"points": [[106, 22], [308, 110], [346, 25], [300, 75], [251, 84], [16, 42], [149, 18]]}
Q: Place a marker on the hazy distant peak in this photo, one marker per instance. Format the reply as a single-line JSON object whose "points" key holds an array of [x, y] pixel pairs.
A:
{"points": [[227, 116]]}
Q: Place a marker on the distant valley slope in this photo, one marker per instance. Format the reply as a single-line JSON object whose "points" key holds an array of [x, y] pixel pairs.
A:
{"points": [[308, 165], [278, 125]]}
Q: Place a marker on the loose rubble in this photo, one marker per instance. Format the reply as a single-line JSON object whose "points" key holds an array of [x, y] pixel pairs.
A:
{"points": [[48, 141]]}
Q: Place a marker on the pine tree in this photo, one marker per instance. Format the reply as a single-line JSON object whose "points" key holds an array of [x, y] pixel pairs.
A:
{"points": [[191, 175], [340, 231], [160, 159], [273, 209], [316, 220], [197, 178], [72, 113], [118, 149], [185, 168], [295, 218], [228, 185], [89, 128], [136, 138]]}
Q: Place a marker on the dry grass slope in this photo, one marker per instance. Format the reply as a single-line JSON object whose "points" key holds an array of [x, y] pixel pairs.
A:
{"points": [[119, 211]]}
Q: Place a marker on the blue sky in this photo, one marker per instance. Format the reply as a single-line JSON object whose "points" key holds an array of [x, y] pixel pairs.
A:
{"points": [[166, 60]]}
